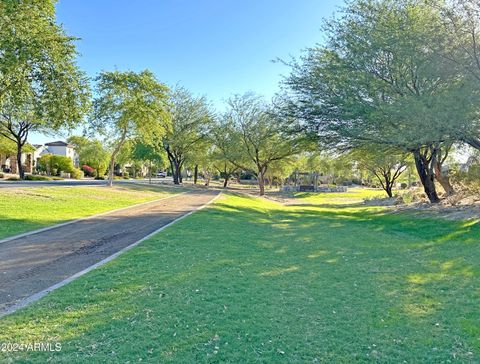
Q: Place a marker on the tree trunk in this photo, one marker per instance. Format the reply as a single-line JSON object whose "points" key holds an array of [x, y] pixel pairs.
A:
{"points": [[427, 177], [443, 179], [117, 149], [172, 169], [206, 176], [261, 180], [150, 173], [110, 171], [385, 181], [177, 177], [388, 188], [21, 172], [195, 174], [225, 181], [176, 169]]}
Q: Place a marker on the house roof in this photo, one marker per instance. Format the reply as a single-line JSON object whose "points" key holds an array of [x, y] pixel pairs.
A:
{"points": [[59, 143]]}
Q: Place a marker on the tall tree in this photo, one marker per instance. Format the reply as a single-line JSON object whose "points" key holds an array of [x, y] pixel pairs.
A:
{"points": [[190, 123], [226, 147], [129, 105], [41, 87], [262, 134], [377, 82]]}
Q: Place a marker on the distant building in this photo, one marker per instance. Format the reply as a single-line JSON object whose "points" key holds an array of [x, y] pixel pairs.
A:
{"points": [[57, 148], [8, 162]]}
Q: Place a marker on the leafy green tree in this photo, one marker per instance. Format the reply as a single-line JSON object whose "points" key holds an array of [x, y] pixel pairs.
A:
{"points": [[386, 166], [91, 152], [201, 159], [261, 133], [80, 143], [7, 147], [223, 166], [377, 82], [55, 164], [150, 154], [41, 87], [96, 156], [279, 171], [334, 169], [190, 122], [226, 148], [462, 50], [129, 105]]}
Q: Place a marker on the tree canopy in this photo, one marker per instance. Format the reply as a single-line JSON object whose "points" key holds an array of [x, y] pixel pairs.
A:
{"points": [[191, 118], [261, 133], [130, 105], [380, 80], [41, 87]]}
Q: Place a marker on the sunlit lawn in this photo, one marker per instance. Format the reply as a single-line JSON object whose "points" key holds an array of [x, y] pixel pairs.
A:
{"points": [[353, 195], [24, 209], [249, 280]]}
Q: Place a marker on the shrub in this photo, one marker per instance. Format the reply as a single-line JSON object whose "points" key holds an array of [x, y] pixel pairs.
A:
{"points": [[55, 164], [30, 177], [55, 178], [408, 197], [411, 196], [43, 164], [76, 173], [126, 175], [89, 171], [2, 175], [61, 164], [468, 180]]}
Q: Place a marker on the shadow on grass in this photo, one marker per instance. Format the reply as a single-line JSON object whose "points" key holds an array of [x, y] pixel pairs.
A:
{"points": [[248, 271]]}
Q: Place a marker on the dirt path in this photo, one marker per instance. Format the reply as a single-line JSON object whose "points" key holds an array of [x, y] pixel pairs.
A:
{"points": [[33, 263]]}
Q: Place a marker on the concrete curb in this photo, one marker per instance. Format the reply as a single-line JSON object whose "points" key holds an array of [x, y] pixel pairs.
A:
{"points": [[35, 297], [28, 233]]}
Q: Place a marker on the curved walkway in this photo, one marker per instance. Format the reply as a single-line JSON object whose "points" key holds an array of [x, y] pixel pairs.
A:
{"points": [[33, 263]]}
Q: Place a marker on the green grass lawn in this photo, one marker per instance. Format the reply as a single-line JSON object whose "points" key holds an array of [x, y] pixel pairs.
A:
{"points": [[248, 280], [25, 209], [353, 195]]}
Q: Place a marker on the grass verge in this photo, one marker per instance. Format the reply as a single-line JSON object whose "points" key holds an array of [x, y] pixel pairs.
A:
{"points": [[26, 209], [249, 280]]}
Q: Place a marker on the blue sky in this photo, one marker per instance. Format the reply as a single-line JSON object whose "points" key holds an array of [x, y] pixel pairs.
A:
{"points": [[213, 47]]}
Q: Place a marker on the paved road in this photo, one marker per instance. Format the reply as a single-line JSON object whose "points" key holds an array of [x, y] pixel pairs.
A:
{"points": [[31, 264], [10, 184]]}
